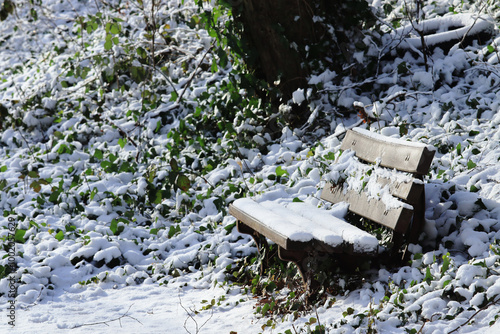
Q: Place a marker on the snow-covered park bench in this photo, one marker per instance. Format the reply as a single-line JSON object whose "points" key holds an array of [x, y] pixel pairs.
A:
{"points": [[380, 178]]}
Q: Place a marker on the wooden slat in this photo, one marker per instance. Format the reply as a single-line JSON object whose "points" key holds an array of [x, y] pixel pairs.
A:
{"points": [[407, 191], [259, 227], [373, 209], [393, 154]]}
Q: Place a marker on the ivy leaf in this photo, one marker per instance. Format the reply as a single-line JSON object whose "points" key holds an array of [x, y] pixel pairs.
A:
{"points": [[174, 165], [446, 263], [59, 236], [108, 44], [19, 236], [471, 164], [98, 154], [173, 230], [34, 14], [35, 185], [230, 227], [115, 228], [122, 142], [33, 174], [280, 171], [114, 29], [428, 276], [182, 182]]}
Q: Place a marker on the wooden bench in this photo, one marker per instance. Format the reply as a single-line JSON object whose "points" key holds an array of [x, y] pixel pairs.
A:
{"points": [[302, 232]]}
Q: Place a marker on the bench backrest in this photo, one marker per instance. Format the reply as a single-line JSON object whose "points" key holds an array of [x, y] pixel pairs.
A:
{"points": [[394, 154]]}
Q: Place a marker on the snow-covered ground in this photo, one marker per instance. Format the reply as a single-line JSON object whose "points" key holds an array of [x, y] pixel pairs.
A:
{"points": [[116, 174]]}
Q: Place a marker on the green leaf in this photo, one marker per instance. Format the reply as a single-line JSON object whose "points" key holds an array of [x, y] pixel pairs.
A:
{"points": [[173, 96], [230, 227], [35, 185], [428, 276], [59, 236], [3, 169], [115, 29], [174, 165], [158, 197], [280, 171], [54, 196], [470, 164], [93, 193], [115, 228], [173, 230], [34, 14], [182, 182], [481, 204], [19, 236], [330, 156], [122, 142], [33, 174], [108, 45], [296, 199], [349, 311], [418, 256], [446, 263], [141, 52], [98, 154], [214, 67]]}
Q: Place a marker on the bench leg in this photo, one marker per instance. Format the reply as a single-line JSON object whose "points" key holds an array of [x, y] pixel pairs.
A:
{"points": [[260, 241], [418, 219], [416, 226], [304, 263]]}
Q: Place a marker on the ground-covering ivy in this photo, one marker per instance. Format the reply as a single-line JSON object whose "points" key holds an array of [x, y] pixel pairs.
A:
{"points": [[127, 129]]}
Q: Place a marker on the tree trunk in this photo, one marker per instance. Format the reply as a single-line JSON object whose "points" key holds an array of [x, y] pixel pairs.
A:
{"points": [[271, 27]]}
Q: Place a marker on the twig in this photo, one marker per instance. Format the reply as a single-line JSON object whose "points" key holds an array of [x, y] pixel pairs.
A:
{"points": [[472, 26], [27, 307], [191, 77], [122, 132], [26, 141], [472, 316], [425, 49], [125, 315], [192, 318]]}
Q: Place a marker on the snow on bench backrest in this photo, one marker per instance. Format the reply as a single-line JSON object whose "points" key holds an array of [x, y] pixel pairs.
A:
{"points": [[393, 153], [380, 203]]}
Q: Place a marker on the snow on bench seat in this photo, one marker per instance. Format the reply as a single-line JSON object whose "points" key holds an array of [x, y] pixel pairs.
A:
{"points": [[302, 222]]}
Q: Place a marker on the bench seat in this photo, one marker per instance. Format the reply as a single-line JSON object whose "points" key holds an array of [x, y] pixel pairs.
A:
{"points": [[293, 225]]}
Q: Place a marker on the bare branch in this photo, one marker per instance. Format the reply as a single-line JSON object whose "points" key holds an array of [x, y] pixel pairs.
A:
{"points": [[125, 315]]}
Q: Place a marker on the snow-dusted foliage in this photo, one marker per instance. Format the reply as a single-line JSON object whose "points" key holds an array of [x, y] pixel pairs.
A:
{"points": [[124, 137]]}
